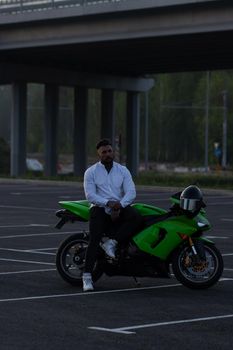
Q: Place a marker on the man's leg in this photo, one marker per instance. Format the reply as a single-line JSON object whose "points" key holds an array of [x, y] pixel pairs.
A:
{"points": [[97, 225], [130, 222]]}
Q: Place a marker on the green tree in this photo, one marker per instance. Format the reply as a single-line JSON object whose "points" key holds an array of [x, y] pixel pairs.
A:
{"points": [[172, 125], [219, 81]]}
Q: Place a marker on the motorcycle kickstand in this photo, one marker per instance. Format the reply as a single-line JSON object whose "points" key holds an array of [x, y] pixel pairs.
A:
{"points": [[137, 282]]}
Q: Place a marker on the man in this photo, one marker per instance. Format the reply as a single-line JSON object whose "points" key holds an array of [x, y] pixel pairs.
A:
{"points": [[110, 189]]}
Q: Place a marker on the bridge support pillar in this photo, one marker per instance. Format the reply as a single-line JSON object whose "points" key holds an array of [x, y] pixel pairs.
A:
{"points": [[80, 130], [108, 115], [50, 128], [18, 128], [133, 123]]}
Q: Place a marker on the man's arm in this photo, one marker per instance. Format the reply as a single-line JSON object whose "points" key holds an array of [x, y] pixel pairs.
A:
{"points": [[90, 190], [129, 189]]}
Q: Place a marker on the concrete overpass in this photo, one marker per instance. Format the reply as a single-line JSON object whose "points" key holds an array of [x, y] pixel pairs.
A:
{"points": [[111, 45]]}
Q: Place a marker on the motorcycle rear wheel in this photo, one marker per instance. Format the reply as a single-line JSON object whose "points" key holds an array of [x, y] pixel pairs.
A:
{"points": [[197, 274], [70, 259]]}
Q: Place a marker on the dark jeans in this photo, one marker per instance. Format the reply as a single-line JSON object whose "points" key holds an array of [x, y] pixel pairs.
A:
{"points": [[101, 223]]}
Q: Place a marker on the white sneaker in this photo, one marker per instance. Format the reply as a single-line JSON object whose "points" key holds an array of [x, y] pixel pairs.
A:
{"points": [[87, 282], [109, 247]]}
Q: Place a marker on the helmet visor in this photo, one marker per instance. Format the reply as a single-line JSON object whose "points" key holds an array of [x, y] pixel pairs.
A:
{"points": [[188, 204]]}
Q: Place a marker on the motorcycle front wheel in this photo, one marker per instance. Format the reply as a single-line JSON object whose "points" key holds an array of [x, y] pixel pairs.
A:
{"points": [[70, 259], [194, 272]]}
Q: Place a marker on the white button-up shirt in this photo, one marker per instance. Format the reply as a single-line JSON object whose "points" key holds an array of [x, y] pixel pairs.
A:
{"points": [[101, 186]]}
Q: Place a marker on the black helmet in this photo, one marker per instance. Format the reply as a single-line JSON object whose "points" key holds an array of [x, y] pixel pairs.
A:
{"points": [[191, 199]]}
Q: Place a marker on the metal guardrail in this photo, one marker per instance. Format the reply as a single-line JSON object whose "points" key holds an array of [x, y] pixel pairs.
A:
{"points": [[19, 6]]}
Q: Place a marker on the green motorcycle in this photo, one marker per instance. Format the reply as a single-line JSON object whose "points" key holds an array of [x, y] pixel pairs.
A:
{"points": [[169, 238]]}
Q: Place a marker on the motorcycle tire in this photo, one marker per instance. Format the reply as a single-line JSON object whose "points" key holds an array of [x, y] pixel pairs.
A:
{"points": [[70, 260], [196, 274]]}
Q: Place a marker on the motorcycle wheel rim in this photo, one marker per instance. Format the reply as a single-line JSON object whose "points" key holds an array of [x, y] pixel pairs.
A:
{"points": [[73, 259], [198, 273]]}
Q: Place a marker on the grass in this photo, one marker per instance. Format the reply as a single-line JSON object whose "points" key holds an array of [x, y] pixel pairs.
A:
{"points": [[215, 180], [221, 180]]}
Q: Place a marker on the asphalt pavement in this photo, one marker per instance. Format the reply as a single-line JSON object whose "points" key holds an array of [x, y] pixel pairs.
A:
{"points": [[38, 310]]}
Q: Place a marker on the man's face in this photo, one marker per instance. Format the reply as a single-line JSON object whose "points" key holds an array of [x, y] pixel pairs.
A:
{"points": [[106, 154]]}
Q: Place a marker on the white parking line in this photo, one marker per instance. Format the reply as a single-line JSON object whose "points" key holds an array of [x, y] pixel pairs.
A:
{"points": [[127, 330], [40, 234], [27, 261], [225, 219], [28, 208], [25, 271], [217, 237], [227, 254], [225, 279], [83, 294], [220, 203], [37, 249], [29, 225], [40, 251], [32, 251], [218, 197]]}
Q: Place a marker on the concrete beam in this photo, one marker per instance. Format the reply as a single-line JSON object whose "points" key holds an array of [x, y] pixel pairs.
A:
{"points": [[37, 74], [80, 130], [108, 115], [50, 129], [139, 21], [81, 9], [132, 132], [18, 129]]}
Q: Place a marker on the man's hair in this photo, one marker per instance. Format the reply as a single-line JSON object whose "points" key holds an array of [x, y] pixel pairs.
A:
{"points": [[103, 142]]}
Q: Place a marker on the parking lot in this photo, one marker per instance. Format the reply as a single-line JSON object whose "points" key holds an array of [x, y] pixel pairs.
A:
{"points": [[39, 310]]}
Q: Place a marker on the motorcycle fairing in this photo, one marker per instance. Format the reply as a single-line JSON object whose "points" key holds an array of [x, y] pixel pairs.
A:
{"points": [[174, 228]]}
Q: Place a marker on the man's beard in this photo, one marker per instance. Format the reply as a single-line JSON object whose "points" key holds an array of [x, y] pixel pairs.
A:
{"points": [[108, 165], [108, 160]]}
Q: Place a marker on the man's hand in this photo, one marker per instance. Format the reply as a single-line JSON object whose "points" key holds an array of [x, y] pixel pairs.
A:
{"points": [[115, 209], [115, 205]]}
